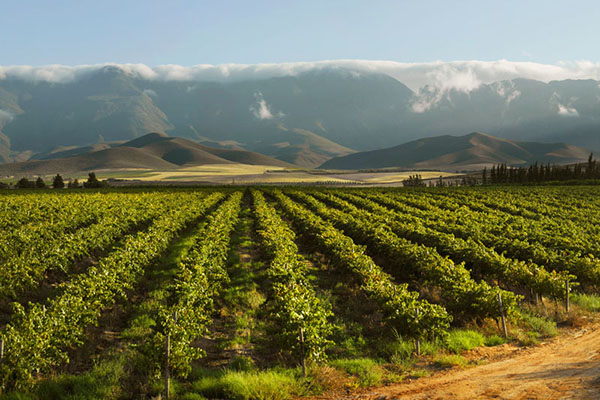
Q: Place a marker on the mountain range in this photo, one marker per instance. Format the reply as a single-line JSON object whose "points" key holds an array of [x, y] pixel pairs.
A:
{"points": [[305, 119], [469, 152], [154, 151]]}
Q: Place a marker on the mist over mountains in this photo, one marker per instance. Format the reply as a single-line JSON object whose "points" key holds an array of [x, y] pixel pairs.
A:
{"points": [[305, 118]]}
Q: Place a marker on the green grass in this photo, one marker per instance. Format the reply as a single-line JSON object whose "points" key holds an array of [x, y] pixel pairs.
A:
{"points": [[459, 340], [367, 371], [586, 301], [450, 360], [494, 340], [539, 325], [398, 351], [248, 385], [101, 382]]}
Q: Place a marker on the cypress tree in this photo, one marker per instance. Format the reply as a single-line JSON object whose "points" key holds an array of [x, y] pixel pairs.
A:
{"points": [[58, 182]]}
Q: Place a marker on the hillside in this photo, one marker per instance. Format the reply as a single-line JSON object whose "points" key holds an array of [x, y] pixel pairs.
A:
{"points": [[473, 151], [304, 119], [153, 151]]}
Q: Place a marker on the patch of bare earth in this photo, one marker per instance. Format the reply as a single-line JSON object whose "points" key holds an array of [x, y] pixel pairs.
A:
{"points": [[567, 367]]}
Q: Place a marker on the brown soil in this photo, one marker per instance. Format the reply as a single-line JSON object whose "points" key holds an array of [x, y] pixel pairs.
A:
{"points": [[567, 367]]}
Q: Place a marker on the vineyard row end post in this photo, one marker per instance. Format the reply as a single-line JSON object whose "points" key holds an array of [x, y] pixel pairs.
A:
{"points": [[504, 330]]}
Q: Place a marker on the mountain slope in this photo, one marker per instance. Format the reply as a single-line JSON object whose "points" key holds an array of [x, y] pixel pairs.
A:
{"points": [[152, 151], [472, 151], [110, 105], [305, 119], [303, 147]]}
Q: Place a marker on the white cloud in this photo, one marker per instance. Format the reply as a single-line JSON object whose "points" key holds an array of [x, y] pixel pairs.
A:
{"points": [[460, 75], [567, 111], [5, 116], [150, 92], [564, 107], [512, 96], [261, 109], [507, 90]]}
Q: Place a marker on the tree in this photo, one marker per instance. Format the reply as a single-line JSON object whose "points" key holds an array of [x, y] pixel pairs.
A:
{"points": [[25, 183], [58, 182], [92, 181], [73, 184], [39, 183], [414, 181], [591, 166]]}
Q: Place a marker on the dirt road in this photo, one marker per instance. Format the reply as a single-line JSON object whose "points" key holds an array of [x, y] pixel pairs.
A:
{"points": [[567, 367]]}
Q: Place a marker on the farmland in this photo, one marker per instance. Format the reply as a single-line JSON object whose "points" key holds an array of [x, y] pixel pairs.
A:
{"points": [[276, 291]]}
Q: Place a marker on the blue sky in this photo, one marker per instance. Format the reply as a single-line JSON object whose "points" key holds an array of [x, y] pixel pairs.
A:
{"points": [[216, 32]]}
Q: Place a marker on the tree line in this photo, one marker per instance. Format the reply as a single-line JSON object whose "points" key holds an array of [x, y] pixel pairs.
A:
{"points": [[502, 173], [57, 183]]}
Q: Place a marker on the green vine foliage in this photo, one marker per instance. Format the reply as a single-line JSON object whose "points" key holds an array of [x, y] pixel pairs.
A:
{"points": [[201, 275], [294, 300], [399, 304], [39, 338]]}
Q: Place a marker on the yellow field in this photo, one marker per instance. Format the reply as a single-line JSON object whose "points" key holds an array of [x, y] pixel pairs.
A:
{"points": [[395, 177], [259, 174]]}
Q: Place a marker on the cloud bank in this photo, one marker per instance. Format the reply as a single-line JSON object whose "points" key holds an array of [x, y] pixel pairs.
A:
{"points": [[459, 75]]}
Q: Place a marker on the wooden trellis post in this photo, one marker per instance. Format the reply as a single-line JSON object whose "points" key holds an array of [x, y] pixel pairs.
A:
{"points": [[502, 315], [417, 341], [302, 356], [167, 372], [567, 296]]}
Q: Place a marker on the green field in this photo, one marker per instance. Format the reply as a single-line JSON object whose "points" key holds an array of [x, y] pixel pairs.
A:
{"points": [[245, 285]]}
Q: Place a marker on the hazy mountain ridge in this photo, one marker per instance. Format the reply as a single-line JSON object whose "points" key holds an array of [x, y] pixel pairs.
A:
{"points": [[303, 119], [472, 151]]}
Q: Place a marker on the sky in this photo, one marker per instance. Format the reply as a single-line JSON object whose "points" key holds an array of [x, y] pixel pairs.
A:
{"points": [[74, 32]]}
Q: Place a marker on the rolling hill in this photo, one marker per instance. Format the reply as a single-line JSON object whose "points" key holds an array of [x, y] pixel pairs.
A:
{"points": [[472, 151], [154, 151]]}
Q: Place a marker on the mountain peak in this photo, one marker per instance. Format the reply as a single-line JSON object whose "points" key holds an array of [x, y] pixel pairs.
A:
{"points": [[479, 135], [146, 139]]}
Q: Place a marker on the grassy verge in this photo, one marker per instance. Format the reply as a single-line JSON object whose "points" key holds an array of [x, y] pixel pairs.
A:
{"points": [[586, 301], [246, 384]]}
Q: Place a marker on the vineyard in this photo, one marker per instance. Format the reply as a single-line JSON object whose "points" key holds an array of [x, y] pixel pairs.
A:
{"points": [[237, 293]]}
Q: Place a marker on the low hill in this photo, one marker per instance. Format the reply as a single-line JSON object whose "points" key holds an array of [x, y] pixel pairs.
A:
{"points": [[154, 151], [472, 151], [303, 147]]}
